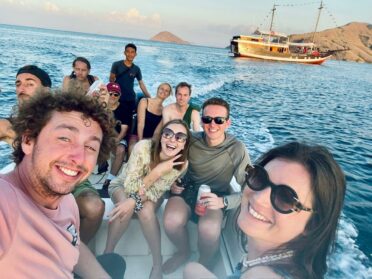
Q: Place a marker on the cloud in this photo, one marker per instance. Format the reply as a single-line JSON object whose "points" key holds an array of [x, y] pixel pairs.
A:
{"points": [[134, 17], [51, 7]]}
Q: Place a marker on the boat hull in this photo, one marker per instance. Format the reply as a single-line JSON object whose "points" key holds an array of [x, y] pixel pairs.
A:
{"points": [[258, 49], [305, 60]]}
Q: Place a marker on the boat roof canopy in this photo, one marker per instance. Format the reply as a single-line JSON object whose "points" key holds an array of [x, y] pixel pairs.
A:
{"points": [[302, 44], [271, 33]]}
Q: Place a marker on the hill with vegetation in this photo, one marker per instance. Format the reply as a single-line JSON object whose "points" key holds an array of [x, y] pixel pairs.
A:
{"points": [[355, 39]]}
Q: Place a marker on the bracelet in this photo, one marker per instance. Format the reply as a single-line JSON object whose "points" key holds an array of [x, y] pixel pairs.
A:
{"points": [[137, 199]]}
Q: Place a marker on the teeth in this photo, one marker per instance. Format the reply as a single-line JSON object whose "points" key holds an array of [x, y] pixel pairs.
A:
{"points": [[171, 146], [68, 171], [256, 215]]}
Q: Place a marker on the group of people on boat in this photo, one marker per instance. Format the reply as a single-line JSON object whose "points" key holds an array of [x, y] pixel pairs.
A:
{"points": [[287, 210]]}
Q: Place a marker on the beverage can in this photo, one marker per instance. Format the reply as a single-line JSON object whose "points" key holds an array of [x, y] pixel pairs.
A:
{"points": [[201, 207], [94, 89]]}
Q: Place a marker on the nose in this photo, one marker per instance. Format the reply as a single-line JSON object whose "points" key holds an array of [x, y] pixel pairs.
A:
{"points": [[77, 154], [263, 197], [21, 88]]}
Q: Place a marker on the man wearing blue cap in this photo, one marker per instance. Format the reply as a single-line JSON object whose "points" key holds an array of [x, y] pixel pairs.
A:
{"points": [[29, 80]]}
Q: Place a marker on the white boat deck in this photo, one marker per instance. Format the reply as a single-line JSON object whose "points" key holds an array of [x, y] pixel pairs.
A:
{"points": [[133, 246]]}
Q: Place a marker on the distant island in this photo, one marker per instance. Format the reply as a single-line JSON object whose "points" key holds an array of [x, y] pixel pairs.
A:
{"points": [[168, 37], [354, 38]]}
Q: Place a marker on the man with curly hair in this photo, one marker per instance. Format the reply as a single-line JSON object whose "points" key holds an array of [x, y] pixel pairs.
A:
{"points": [[59, 138]]}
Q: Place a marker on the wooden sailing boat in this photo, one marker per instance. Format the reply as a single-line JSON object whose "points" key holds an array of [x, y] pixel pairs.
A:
{"points": [[274, 46]]}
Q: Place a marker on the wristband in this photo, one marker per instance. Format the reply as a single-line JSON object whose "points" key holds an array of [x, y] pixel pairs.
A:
{"points": [[138, 206]]}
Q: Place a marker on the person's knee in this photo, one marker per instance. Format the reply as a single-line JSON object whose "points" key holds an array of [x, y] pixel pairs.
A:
{"points": [[174, 220], [209, 230], [147, 213], [90, 206]]}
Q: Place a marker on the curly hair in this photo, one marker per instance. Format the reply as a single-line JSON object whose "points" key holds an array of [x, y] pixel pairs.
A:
{"points": [[33, 115]]}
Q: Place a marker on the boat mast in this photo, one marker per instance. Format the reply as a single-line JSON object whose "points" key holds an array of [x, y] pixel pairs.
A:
{"points": [[272, 17], [271, 23], [317, 20]]}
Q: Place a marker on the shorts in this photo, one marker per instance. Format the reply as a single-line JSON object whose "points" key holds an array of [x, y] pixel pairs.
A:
{"points": [[190, 195], [82, 187], [129, 107]]}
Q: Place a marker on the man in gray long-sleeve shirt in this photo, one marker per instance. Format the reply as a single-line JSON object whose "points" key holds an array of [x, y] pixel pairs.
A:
{"points": [[214, 158]]}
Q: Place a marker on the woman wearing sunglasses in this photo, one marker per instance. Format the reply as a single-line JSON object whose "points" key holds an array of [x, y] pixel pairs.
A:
{"points": [[151, 169], [289, 214]]}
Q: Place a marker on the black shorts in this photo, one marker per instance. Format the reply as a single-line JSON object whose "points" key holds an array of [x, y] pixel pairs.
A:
{"points": [[190, 195], [129, 107]]}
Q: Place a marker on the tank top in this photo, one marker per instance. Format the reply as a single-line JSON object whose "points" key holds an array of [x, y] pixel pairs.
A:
{"points": [[187, 116], [151, 122]]}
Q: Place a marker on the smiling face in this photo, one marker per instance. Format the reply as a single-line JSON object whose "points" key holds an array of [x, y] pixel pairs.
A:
{"points": [[215, 132], [130, 53], [64, 153], [260, 221], [170, 147], [183, 96], [81, 70], [26, 86], [163, 91]]}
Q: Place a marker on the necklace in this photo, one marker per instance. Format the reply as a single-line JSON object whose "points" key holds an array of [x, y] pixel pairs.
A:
{"points": [[266, 259]]}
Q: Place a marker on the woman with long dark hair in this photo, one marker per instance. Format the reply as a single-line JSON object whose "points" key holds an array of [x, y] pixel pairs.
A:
{"points": [[151, 169], [289, 214], [80, 78]]}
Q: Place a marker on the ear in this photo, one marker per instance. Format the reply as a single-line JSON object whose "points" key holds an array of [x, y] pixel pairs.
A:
{"points": [[228, 123], [27, 144]]}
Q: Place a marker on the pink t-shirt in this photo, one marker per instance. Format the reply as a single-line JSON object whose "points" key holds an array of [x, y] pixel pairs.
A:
{"points": [[36, 242]]}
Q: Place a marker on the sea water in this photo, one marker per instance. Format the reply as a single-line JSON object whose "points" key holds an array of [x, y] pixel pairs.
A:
{"points": [[271, 103]]}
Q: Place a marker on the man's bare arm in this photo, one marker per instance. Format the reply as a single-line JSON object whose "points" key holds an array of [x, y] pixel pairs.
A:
{"points": [[144, 89], [112, 77], [195, 119], [6, 131]]}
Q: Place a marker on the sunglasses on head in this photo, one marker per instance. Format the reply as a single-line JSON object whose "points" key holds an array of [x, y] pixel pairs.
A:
{"points": [[169, 133], [283, 198], [115, 94], [218, 120]]}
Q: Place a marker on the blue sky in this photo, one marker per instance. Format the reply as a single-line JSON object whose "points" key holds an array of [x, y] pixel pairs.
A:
{"points": [[204, 22]]}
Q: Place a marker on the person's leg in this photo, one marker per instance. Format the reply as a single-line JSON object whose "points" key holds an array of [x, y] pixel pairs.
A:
{"points": [[117, 227], [116, 162], [209, 231], [176, 216], [151, 230], [133, 139], [197, 271], [91, 210], [118, 159]]}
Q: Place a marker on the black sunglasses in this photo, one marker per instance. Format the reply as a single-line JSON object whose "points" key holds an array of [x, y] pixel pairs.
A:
{"points": [[114, 94], [283, 198], [169, 133], [218, 120]]}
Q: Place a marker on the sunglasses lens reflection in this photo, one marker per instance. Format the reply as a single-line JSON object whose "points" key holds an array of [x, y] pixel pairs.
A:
{"points": [[284, 198], [218, 120], [180, 137]]}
